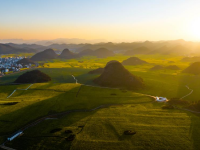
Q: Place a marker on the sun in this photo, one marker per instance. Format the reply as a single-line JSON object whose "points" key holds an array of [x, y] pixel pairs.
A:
{"points": [[194, 28]]}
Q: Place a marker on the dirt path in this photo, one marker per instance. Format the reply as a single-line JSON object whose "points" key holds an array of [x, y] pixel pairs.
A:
{"points": [[75, 79], [19, 89], [191, 91]]}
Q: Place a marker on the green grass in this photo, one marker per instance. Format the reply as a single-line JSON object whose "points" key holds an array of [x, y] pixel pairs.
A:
{"points": [[156, 128], [103, 129], [167, 83], [43, 99]]}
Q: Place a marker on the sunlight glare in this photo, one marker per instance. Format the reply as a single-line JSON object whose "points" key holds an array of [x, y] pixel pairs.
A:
{"points": [[194, 28]]}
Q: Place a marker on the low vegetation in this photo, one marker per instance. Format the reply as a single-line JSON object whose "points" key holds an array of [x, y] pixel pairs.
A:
{"points": [[128, 120]]}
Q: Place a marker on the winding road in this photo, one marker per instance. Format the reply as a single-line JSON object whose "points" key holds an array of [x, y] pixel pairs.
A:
{"points": [[191, 91]]}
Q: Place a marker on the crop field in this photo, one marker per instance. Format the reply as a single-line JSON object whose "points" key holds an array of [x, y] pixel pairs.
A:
{"points": [[103, 128], [45, 99], [168, 83]]}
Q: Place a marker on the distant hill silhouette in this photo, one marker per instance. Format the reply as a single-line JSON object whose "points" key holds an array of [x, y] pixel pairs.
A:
{"points": [[140, 50], [133, 61], [25, 61], [100, 53], [44, 55], [166, 50], [194, 68], [191, 59], [86, 52], [7, 49], [97, 71], [35, 76], [179, 49], [103, 52], [157, 67], [66, 54], [172, 67], [115, 75], [161, 50], [29, 46]]}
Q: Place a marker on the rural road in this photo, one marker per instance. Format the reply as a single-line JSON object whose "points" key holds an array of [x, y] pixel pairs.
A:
{"points": [[191, 91], [19, 89]]}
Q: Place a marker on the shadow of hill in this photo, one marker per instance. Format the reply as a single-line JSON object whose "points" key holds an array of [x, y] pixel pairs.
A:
{"points": [[40, 134], [60, 75], [62, 102], [195, 131], [64, 75]]}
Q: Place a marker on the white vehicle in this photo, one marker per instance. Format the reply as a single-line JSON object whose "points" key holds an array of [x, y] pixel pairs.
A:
{"points": [[161, 99]]}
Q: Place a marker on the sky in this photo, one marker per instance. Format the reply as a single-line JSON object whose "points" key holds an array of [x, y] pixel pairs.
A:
{"points": [[112, 20]]}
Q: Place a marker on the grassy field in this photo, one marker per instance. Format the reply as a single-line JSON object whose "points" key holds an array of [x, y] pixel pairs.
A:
{"points": [[103, 129], [167, 83], [44, 99]]}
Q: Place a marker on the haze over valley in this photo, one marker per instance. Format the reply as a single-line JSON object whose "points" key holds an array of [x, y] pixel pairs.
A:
{"points": [[112, 75]]}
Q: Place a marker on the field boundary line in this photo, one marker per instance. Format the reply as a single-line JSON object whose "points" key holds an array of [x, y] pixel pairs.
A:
{"points": [[191, 91]]}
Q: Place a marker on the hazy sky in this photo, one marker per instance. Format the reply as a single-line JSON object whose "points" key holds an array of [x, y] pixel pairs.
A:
{"points": [[125, 20]]}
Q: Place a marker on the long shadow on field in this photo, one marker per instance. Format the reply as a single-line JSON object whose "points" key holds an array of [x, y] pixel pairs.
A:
{"points": [[195, 131], [40, 136], [63, 75], [62, 102], [60, 75], [87, 78]]}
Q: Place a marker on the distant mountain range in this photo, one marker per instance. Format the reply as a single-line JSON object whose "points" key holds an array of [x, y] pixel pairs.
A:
{"points": [[49, 42], [8, 49], [178, 47]]}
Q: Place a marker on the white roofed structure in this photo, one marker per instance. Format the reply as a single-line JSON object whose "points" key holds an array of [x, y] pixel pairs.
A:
{"points": [[161, 99]]}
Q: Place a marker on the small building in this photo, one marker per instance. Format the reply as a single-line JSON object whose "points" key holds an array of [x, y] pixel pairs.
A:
{"points": [[3, 70], [161, 99]]}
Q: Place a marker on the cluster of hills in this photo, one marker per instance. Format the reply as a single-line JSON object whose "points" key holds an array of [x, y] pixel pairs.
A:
{"points": [[66, 54], [179, 47], [170, 67], [9, 49]]}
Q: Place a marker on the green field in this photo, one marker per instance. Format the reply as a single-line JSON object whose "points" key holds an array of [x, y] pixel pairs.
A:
{"points": [[168, 83], [156, 128], [103, 129]]}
